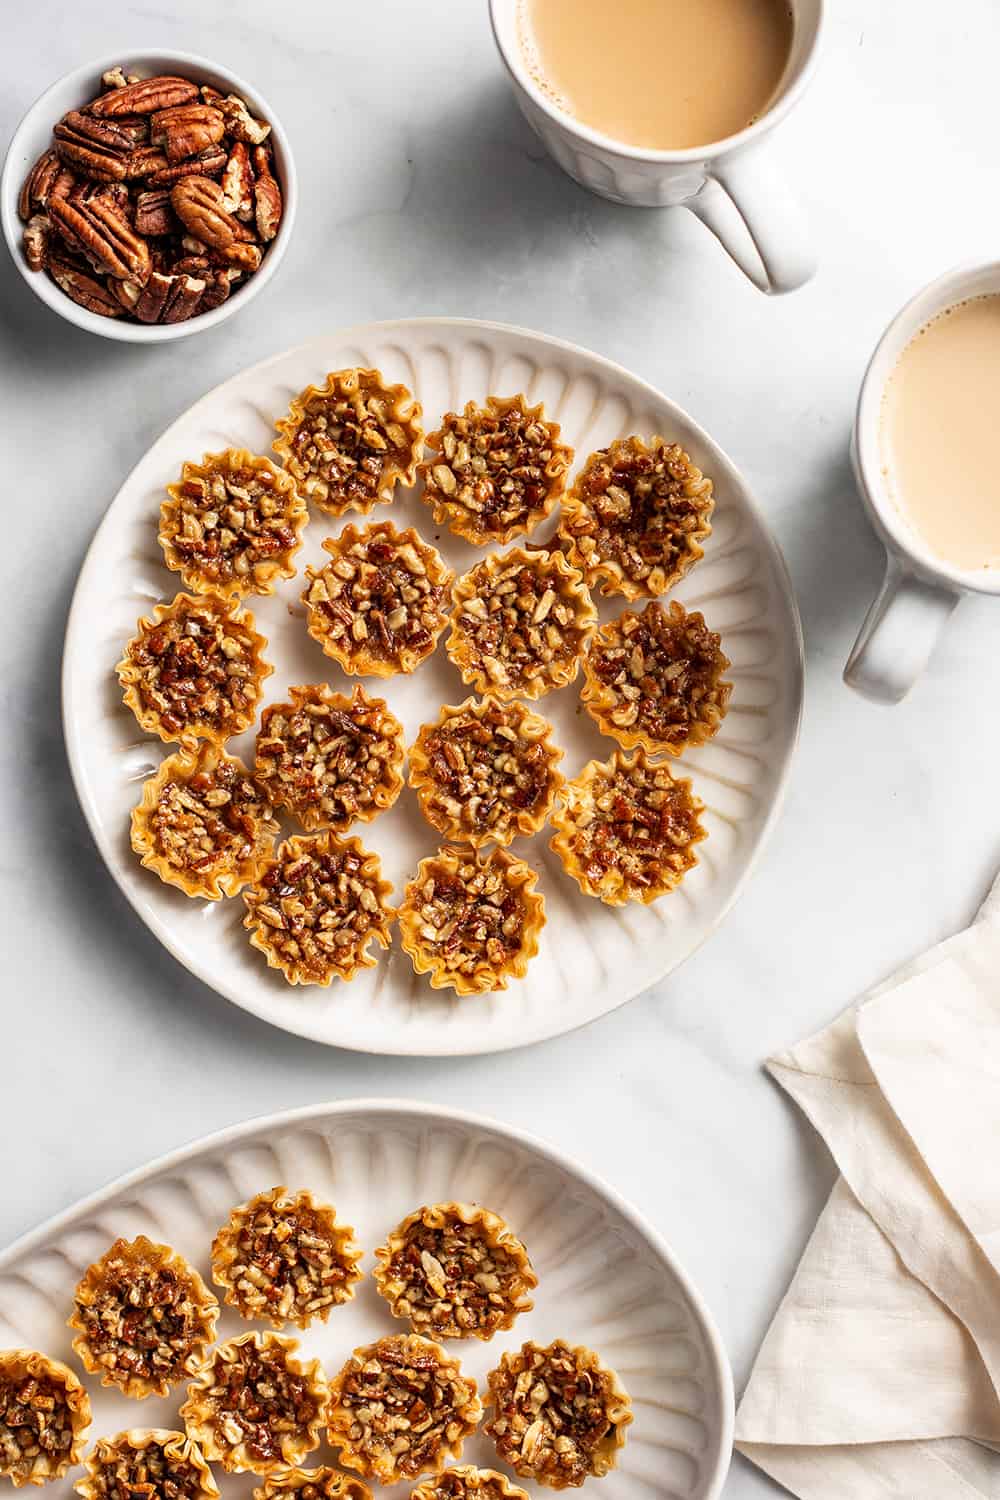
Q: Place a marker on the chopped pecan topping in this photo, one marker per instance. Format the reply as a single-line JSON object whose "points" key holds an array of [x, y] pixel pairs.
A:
{"points": [[626, 829], [455, 1271], [520, 623], [486, 770], [316, 907], [143, 1316], [330, 759], [401, 1407], [495, 470], [232, 524], [636, 517], [44, 1413], [471, 920], [147, 1465], [466, 1482], [349, 442], [380, 604], [284, 1257], [558, 1415], [656, 679], [194, 669]]}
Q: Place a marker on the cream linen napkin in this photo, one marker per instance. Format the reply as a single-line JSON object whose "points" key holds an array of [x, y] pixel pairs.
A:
{"points": [[879, 1377]]}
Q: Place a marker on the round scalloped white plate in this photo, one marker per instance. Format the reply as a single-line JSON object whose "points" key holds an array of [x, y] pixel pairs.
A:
{"points": [[606, 1278], [592, 958]]}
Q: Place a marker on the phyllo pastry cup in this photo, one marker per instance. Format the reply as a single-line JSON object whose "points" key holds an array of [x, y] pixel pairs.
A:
{"points": [[636, 517], [146, 1463], [254, 1406], [328, 759], [204, 824], [656, 679], [380, 604], [44, 1417], [456, 1271], [311, 1484], [400, 1408], [315, 908], [493, 472], [472, 920], [194, 670], [486, 771], [232, 524], [466, 1482], [520, 623], [283, 1258], [625, 829], [349, 442], [559, 1416], [144, 1318]]}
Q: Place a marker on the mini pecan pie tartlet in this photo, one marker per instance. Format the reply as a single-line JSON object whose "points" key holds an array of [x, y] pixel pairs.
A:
{"points": [[144, 1318], [315, 908], [330, 759], [520, 623], [194, 670], [471, 920], [380, 604], [283, 1257], [311, 1484], [147, 1463], [44, 1417], [232, 524], [655, 679], [254, 1406], [351, 441], [400, 1408], [456, 1271], [203, 824], [496, 470], [466, 1482], [486, 771], [636, 517], [558, 1415], [626, 829]]}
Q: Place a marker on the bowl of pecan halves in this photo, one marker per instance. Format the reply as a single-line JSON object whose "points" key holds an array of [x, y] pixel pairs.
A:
{"points": [[148, 198]]}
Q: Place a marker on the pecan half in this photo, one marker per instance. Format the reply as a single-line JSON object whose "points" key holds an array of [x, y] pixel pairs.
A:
{"points": [[197, 202], [205, 164], [266, 195], [169, 299], [37, 236], [237, 182], [100, 231], [83, 289], [47, 177], [144, 162], [153, 214], [78, 147], [186, 130], [105, 133], [240, 123], [145, 97]]}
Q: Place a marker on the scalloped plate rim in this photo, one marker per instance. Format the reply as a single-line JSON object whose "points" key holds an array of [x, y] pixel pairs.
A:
{"points": [[298, 1022]]}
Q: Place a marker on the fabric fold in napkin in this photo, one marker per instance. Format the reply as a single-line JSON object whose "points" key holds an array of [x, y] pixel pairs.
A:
{"points": [[879, 1378]]}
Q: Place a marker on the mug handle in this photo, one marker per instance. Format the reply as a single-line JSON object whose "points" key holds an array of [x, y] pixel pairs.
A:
{"points": [[748, 207], [900, 631]]}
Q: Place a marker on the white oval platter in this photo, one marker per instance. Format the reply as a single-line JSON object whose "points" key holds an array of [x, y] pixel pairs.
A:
{"points": [[606, 1278], [592, 958]]}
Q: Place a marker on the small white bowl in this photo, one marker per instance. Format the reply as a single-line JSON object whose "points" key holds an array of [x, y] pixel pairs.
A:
{"points": [[34, 135]]}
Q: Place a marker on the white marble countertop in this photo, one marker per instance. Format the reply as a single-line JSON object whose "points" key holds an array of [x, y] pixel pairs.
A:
{"points": [[424, 192]]}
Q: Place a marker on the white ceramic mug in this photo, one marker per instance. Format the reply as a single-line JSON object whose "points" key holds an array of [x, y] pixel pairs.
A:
{"points": [[732, 186], [919, 590]]}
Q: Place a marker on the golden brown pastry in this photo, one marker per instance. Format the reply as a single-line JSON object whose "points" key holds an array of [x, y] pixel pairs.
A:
{"points": [[44, 1417], [146, 1463], [311, 1484], [466, 1482]]}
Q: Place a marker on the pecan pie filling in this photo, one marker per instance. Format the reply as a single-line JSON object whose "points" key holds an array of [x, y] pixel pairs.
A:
{"points": [[254, 1406], [496, 470], [466, 1482], [400, 1408], [456, 1271], [284, 1257], [232, 524], [194, 669], [149, 1464], [143, 1317], [330, 759], [485, 771], [380, 604], [626, 829], [636, 517], [656, 679], [349, 442], [558, 1415], [44, 1415], [471, 921], [315, 908], [520, 623]]}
